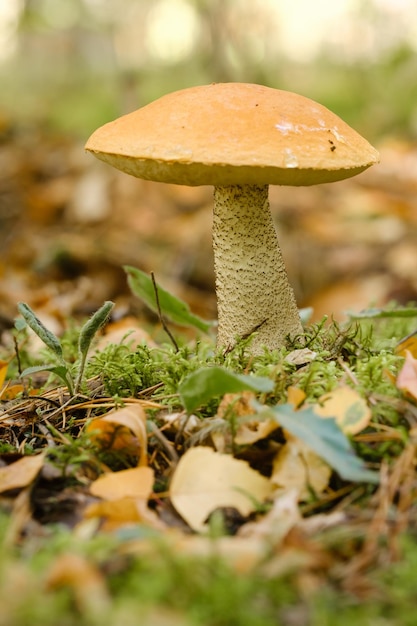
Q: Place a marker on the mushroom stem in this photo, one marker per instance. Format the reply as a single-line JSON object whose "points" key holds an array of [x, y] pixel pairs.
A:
{"points": [[253, 292]]}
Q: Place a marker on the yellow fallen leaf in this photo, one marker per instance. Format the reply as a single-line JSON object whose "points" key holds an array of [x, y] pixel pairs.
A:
{"points": [[124, 429], [117, 513], [297, 467], [408, 344], [236, 403], [248, 432], [130, 483], [407, 377], [295, 396], [84, 579], [10, 392], [253, 431], [3, 371], [205, 480], [21, 473], [349, 409]]}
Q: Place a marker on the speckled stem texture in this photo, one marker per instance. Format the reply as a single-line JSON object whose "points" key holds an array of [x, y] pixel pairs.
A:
{"points": [[253, 292]]}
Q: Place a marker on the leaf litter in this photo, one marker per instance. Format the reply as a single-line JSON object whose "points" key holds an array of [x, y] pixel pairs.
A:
{"points": [[282, 470], [126, 480]]}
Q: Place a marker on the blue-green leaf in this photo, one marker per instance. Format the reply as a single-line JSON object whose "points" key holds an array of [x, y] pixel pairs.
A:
{"points": [[325, 438], [210, 382], [171, 307]]}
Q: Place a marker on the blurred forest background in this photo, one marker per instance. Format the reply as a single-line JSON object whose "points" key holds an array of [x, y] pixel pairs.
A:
{"points": [[68, 223]]}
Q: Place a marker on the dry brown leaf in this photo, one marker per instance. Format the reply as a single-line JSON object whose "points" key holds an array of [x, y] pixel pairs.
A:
{"points": [[131, 483], [407, 377], [124, 429], [297, 467], [21, 473], [349, 409], [205, 480]]}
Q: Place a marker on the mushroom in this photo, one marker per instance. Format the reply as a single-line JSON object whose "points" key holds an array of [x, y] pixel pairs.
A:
{"points": [[240, 138]]}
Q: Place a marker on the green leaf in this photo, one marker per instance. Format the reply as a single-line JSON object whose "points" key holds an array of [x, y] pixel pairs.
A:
{"points": [[93, 325], [384, 313], [59, 370], [38, 327], [325, 438], [171, 307], [210, 382]]}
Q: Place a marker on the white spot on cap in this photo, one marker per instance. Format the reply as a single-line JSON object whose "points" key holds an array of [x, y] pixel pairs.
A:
{"points": [[337, 135], [290, 160], [285, 127]]}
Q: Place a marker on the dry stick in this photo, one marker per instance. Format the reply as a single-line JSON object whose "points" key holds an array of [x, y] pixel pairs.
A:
{"points": [[161, 319], [19, 367], [167, 445]]}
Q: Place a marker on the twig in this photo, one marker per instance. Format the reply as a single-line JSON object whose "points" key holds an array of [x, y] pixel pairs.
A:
{"points": [[168, 447], [161, 319]]}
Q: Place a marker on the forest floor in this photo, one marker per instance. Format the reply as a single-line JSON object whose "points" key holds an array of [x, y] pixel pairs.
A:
{"points": [[178, 484]]}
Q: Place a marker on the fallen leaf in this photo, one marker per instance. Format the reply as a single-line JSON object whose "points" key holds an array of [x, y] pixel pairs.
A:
{"points": [[295, 396], [347, 407], [10, 392], [125, 494], [275, 525], [297, 467], [126, 332], [253, 431], [241, 405], [124, 429], [21, 473], [130, 483], [323, 436], [301, 356], [3, 371], [407, 377], [84, 579], [242, 554], [205, 480], [238, 404], [408, 344], [122, 512]]}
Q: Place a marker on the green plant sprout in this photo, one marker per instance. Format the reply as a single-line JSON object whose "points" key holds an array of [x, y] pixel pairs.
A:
{"points": [[62, 369]]}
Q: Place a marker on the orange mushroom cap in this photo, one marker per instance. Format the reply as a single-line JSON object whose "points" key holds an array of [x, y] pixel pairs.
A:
{"points": [[233, 134]]}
